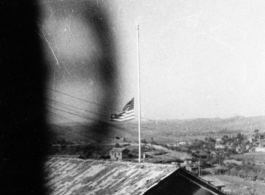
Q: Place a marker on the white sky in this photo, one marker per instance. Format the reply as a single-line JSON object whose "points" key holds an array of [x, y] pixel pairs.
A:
{"points": [[198, 58]]}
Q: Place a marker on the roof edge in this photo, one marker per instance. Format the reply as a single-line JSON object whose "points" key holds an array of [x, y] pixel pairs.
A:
{"points": [[159, 180]]}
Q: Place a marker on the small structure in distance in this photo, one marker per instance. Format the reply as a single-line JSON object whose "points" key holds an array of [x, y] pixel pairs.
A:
{"points": [[119, 153]]}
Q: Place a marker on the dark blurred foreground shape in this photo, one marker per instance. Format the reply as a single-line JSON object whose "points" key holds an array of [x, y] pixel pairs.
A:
{"points": [[22, 74], [74, 28]]}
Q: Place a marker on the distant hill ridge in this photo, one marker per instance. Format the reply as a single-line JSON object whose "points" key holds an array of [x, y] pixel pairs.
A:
{"points": [[163, 129], [232, 123]]}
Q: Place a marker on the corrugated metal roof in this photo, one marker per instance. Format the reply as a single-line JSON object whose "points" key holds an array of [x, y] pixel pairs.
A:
{"points": [[77, 176]]}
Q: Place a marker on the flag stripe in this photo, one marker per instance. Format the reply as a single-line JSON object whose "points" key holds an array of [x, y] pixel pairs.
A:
{"points": [[122, 115], [122, 119], [126, 114]]}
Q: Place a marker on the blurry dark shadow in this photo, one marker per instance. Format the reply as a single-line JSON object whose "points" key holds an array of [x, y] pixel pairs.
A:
{"points": [[23, 73], [100, 22], [93, 15]]}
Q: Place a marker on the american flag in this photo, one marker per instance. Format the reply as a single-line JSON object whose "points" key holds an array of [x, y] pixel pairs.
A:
{"points": [[126, 114]]}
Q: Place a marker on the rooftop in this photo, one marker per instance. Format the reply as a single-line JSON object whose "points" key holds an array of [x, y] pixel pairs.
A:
{"points": [[213, 180], [118, 149], [78, 176]]}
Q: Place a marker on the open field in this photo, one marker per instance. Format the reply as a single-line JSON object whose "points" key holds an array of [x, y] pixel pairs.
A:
{"points": [[170, 131], [239, 186], [257, 156]]}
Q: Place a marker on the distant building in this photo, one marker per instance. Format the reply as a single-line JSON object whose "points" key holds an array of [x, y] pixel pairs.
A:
{"points": [[182, 143], [219, 146], [232, 161], [187, 162], [259, 149], [215, 181], [119, 153], [260, 146]]}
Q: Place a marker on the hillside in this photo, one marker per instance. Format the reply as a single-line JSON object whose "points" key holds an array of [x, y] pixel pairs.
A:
{"points": [[160, 131], [216, 124]]}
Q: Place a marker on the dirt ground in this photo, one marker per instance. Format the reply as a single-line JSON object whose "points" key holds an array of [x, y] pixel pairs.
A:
{"points": [[239, 186]]}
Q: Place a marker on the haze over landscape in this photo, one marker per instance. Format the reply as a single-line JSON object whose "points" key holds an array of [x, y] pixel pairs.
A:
{"points": [[69, 71], [199, 59], [201, 76]]}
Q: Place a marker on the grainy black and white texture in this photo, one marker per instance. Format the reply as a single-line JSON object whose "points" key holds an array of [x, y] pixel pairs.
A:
{"points": [[22, 76], [28, 60]]}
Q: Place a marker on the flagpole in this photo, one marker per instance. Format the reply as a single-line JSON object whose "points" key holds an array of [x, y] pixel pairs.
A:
{"points": [[139, 97]]}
